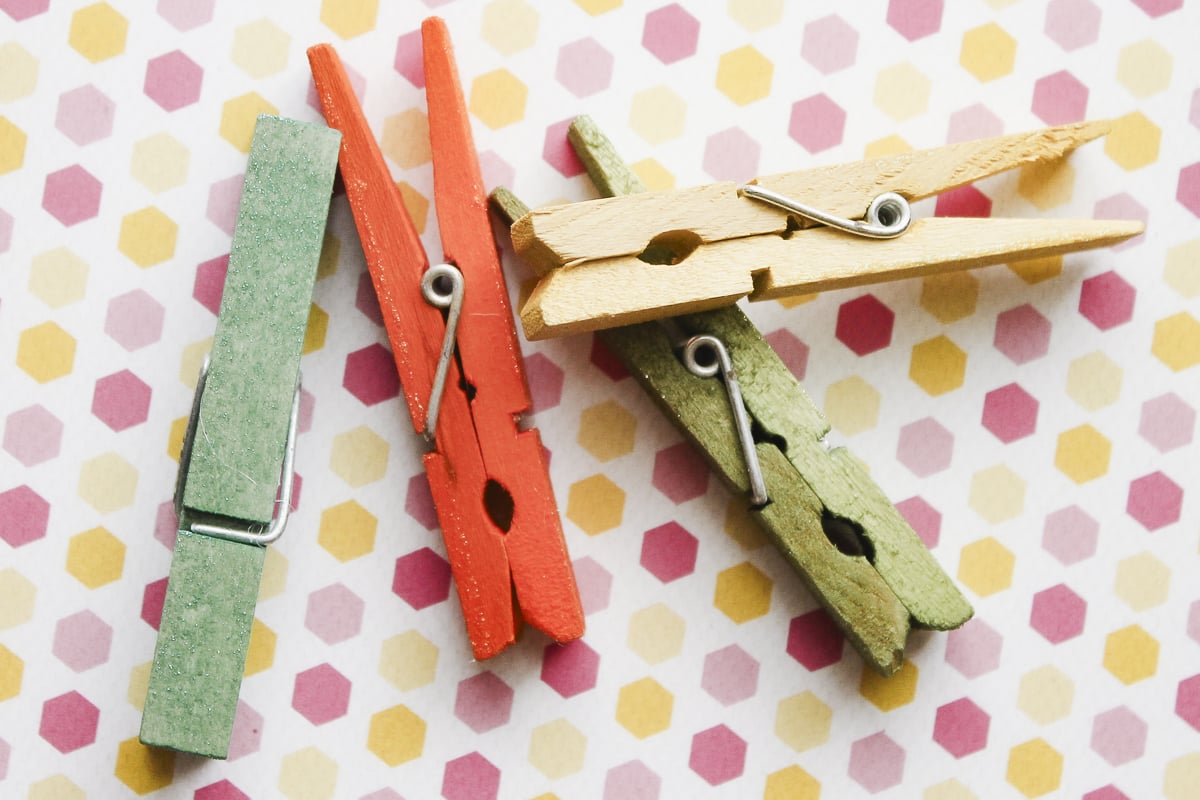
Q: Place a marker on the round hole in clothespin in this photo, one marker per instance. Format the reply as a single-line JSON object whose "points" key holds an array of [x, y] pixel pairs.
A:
{"points": [[440, 284]]}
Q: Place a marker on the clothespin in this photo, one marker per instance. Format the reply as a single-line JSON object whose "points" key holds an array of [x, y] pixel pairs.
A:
{"points": [[240, 442], [489, 479], [618, 261]]}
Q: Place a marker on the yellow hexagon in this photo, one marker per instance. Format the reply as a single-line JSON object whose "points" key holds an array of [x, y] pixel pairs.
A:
{"points": [[191, 360], [46, 352], [997, 493], [1034, 768], [656, 633], [408, 661], [406, 138], [949, 790], [12, 669], [557, 749], [396, 735], [260, 48], [12, 146], [147, 237], [498, 98], [852, 405], [1180, 271], [1036, 270], [791, 783], [331, 251], [359, 456], [644, 707], [98, 32], [1142, 581], [318, 326], [595, 504], [347, 531], [741, 527], [657, 114], [1177, 341], [597, 7], [797, 299], [902, 91], [18, 72], [240, 115], [744, 75], [938, 365], [139, 684], [1181, 777], [349, 18], [274, 574], [1131, 654], [1094, 381], [260, 655], [1144, 68], [144, 769], [743, 593], [986, 567], [1047, 184], [888, 694], [755, 15], [19, 596], [950, 296], [58, 277], [1046, 694], [802, 721], [307, 774], [1133, 141], [988, 52], [890, 145], [95, 557], [606, 430], [56, 787], [1082, 453], [654, 175], [107, 482], [160, 162], [510, 26], [175, 438], [415, 203]]}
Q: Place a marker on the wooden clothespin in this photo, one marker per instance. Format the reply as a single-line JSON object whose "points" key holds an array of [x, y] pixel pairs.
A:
{"points": [[618, 261], [240, 441], [489, 479]]}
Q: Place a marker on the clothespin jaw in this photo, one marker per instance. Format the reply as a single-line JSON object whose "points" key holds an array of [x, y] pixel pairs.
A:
{"points": [[241, 438], [835, 527], [622, 260], [489, 479]]}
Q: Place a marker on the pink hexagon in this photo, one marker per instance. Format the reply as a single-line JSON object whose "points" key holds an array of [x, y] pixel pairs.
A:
{"points": [[496, 171], [864, 324], [418, 501], [32, 435], [221, 790], [976, 121], [483, 702], [382, 794], [680, 473], [153, 597], [1070, 534], [817, 123], [409, 60], [334, 614], [670, 33], [570, 668], [1107, 300], [422, 578], [1194, 111], [134, 320], [1187, 191], [224, 196], [730, 675], [1022, 334], [69, 722], [173, 80], [814, 640], [584, 67], [1072, 23], [1058, 614], [371, 376], [923, 518], [82, 641], [470, 777], [925, 447], [731, 155], [1010, 413], [6, 229], [24, 9], [974, 649], [365, 299], [718, 755], [186, 14], [914, 19], [961, 727], [965, 201], [1119, 736], [632, 780], [1108, 792], [321, 694], [545, 381], [1187, 699], [72, 195], [209, 286], [121, 400], [791, 351], [24, 515], [603, 359], [669, 552], [1122, 206], [304, 418], [876, 762], [1154, 500], [595, 584], [85, 115], [1193, 623], [1167, 422], [1060, 98], [558, 153], [1156, 8], [829, 44], [247, 731]]}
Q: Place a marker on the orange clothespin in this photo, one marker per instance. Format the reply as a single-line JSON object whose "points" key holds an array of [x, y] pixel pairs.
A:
{"points": [[489, 479]]}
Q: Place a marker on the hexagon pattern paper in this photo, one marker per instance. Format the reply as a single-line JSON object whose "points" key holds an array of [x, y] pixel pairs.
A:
{"points": [[1034, 421]]}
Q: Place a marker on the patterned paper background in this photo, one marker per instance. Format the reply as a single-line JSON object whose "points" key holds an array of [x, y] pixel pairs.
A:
{"points": [[1035, 422]]}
